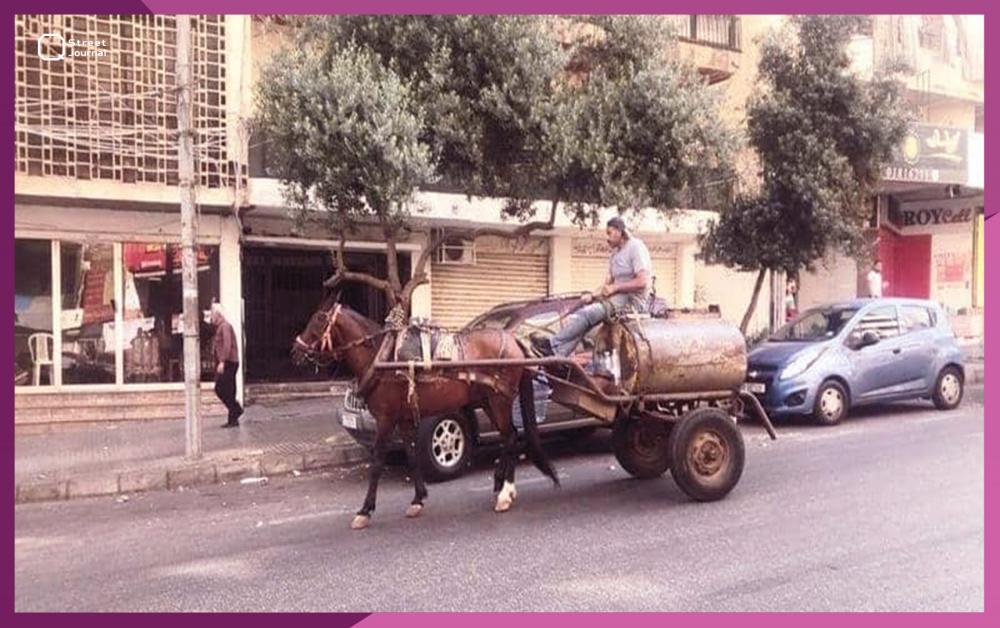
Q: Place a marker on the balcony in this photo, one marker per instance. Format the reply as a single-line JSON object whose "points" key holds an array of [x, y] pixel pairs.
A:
{"points": [[717, 31], [713, 42]]}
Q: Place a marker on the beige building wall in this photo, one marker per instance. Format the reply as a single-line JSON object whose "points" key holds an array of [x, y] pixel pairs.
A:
{"points": [[738, 87], [731, 290], [835, 279], [560, 264], [950, 112]]}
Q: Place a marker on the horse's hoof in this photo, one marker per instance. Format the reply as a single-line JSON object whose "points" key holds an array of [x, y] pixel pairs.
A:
{"points": [[360, 522], [506, 497], [414, 510]]}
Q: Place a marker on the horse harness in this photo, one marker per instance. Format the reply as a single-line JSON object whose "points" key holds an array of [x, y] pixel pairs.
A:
{"points": [[369, 379]]}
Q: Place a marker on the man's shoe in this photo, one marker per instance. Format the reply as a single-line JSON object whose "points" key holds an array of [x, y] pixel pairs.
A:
{"points": [[231, 424]]}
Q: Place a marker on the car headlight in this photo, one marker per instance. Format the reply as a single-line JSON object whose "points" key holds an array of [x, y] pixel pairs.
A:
{"points": [[800, 364]]}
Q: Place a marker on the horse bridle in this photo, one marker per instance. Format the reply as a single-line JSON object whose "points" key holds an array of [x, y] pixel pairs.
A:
{"points": [[326, 340]]}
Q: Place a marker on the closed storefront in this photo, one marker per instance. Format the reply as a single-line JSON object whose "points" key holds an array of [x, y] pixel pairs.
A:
{"points": [[590, 265], [927, 249], [467, 279]]}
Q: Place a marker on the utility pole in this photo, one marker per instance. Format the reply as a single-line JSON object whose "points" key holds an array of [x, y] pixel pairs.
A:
{"points": [[189, 239]]}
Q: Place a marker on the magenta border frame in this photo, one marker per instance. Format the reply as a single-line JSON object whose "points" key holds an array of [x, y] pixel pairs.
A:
{"points": [[583, 620]]}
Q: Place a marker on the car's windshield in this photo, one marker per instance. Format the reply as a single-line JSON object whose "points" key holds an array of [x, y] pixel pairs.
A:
{"points": [[816, 324]]}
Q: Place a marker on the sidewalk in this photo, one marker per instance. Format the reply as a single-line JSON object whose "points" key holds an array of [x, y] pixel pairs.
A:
{"points": [[121, 457]]}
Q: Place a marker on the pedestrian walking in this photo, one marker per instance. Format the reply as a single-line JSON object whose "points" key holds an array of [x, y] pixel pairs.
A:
{"points": [[227, 362], [875, 280]]}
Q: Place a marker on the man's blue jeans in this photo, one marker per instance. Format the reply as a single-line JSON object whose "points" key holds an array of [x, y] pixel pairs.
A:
{"points": [[576, 327]]}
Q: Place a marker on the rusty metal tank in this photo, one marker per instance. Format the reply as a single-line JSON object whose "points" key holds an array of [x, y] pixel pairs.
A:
{"points": [[683, 354]]}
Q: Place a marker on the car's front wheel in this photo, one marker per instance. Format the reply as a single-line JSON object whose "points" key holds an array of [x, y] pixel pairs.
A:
{"points": [[831, 403], [444, 447], [949, 388]]}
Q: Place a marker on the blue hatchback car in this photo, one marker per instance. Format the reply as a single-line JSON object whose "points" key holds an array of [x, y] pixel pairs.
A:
{"points": [[833, 357]]}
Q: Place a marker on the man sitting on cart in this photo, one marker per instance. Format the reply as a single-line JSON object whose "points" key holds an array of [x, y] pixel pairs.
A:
{"points": [[626, 288]]}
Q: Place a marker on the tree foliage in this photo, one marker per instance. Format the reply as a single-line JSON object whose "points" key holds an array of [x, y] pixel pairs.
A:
{"points": [[580, 113], [822, 134]]}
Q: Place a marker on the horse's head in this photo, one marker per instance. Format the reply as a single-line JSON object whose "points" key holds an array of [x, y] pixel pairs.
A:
{"points": [[318, 341]]}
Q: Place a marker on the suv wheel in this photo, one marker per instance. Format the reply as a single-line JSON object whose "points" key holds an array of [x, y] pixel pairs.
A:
{"points": [[444, 447]]}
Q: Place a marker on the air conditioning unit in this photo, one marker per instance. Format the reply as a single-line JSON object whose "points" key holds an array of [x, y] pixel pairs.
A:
{"points": [[457, 251]]}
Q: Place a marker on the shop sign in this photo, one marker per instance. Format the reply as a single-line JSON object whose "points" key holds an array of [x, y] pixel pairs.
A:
{"points": [[929, 216], [931, 154]]}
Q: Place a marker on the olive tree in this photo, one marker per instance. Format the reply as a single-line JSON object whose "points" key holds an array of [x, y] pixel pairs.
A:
{"points": [[572, 113]]}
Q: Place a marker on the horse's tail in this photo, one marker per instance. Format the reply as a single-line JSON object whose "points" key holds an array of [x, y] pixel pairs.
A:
{"points": [[526, 395]]}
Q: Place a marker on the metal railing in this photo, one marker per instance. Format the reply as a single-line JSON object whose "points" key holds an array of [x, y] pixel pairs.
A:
{"points": [[718, 31]]}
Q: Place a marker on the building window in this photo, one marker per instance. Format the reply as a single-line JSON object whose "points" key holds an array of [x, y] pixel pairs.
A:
{"points": [[34, 344], [110, 114], [87, 317], [97, 312], [152, 307]]}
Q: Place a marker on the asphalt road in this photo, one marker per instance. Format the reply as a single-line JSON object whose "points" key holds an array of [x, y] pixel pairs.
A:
{"points": [[884, 512]]}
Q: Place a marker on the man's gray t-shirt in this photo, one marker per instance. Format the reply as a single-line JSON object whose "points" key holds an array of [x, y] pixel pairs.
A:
{"points": [[626, 262]]}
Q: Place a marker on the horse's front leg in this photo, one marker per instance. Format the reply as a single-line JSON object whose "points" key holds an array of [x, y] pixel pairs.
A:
{"points": [[379, 450], [408, 432]]}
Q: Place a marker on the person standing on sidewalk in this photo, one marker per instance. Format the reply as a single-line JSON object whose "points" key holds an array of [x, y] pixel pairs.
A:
{"points": [[227, 362], [875, 281], [791, 308]]}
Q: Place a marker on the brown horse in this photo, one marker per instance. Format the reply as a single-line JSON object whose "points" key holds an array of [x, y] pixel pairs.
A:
{"points": [[336, 332]]}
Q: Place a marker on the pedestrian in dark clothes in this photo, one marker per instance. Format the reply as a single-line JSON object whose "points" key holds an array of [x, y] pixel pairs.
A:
{"points": [[227, 362]]}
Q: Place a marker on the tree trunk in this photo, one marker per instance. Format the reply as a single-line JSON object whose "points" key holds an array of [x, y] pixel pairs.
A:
{"points": [[753, 301]]}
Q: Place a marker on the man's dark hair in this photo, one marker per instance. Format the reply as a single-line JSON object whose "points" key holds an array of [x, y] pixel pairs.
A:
{"points": [[619, 224]]}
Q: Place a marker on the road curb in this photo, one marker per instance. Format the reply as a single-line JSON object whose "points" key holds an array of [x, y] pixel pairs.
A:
{"points": [[186, 474]]}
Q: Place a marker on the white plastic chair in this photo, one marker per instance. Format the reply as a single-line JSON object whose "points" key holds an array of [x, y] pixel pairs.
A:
{"points": [[41, 346]]}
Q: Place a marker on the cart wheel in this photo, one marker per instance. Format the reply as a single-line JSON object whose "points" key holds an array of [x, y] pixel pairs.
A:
{"points": [[708, 454], [642, 447]]}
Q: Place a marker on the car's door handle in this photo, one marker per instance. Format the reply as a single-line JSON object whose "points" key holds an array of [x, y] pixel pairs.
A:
{"points": [[896, 351]]}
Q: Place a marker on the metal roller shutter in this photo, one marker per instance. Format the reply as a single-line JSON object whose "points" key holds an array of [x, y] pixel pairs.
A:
{"points": [[590, 265], [501, 273]]}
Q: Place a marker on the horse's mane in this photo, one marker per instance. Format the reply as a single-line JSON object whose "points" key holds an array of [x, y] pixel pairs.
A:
{"points": [[368, 325]]}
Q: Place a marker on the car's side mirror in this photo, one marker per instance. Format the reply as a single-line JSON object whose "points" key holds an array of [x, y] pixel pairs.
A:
{"points": [[867, 338]]}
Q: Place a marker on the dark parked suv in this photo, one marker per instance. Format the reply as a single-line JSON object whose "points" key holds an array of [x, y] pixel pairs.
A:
{"points": [[446, 443]]}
